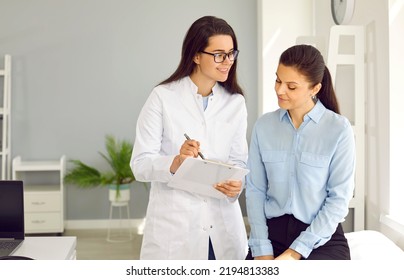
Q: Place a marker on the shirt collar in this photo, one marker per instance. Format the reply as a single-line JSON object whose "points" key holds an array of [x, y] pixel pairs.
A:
{"points": [[215, 88], [315, 114], [195, 88]]}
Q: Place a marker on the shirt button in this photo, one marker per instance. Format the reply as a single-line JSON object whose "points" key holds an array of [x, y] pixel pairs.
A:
{"points": [[205, 200]]}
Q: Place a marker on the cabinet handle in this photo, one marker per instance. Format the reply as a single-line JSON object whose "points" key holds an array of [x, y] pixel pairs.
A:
{"points": [[38, 221], [38, 203]]}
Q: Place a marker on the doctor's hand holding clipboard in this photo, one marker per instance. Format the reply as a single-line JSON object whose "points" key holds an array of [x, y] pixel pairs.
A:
{"points": [[227, 186]]}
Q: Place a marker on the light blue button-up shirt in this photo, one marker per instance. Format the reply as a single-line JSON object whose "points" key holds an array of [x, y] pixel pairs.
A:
{"points": [[306, 172]]}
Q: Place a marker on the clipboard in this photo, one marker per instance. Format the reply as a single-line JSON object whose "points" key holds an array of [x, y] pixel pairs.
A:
{"points": [[198, 176]]}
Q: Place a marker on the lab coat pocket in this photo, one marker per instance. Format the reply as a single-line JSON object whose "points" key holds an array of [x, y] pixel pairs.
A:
{"points": [[179, 249], [170, 215], [232, 218]]}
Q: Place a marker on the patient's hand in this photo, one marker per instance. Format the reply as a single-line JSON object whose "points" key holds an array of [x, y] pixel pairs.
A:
{"points": [[264, 258], [289, 254]]}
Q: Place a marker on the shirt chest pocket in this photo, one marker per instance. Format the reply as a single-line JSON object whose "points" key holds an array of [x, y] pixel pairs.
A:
{"points": [[276, 166], [313, 170]]}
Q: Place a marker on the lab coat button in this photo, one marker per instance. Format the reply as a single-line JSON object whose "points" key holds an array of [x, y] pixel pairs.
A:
{"points": [[204, 228]]}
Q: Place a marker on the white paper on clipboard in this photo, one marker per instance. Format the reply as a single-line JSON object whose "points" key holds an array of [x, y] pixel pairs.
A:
{"points": [[198, 176]]}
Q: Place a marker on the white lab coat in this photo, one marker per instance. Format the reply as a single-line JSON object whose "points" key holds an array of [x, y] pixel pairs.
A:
{"points": [[179, 223]]}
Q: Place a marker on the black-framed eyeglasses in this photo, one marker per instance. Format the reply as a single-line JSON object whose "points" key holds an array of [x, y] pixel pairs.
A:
{"points": [[220, 57]]}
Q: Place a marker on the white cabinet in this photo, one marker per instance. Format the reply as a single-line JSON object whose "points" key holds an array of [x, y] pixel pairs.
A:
{"points": [[43, 194]]}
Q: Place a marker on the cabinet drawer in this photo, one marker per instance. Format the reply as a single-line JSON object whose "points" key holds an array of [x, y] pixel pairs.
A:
{"points": [[42, 222], [39, 202]]}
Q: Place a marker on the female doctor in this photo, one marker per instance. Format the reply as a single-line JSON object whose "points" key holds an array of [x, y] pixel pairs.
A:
{"points": [[202, 99]]}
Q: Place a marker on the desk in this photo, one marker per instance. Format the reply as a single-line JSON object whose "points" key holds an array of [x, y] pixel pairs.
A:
{"points": [[48, 248]]}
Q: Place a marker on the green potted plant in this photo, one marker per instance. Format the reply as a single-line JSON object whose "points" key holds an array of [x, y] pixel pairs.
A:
{"points": [[117, 179]]}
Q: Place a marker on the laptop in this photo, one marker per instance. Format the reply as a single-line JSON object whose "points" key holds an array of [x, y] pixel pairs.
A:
{"points": [[11, 216]]}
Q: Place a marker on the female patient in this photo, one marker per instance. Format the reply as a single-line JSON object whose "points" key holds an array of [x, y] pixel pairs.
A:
{"points": [[202, 99], [302, 161]]}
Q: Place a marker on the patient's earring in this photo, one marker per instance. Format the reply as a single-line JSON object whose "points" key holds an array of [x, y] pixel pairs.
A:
{"points": [[314, 98]]}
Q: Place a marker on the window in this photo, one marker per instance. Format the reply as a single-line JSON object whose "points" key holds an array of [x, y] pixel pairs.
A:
{"points": [[396, 45]]}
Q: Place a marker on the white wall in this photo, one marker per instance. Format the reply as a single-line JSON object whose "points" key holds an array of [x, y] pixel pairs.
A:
{"points": [[395, 220], [279, 24], [84, 68], [396, 21]]}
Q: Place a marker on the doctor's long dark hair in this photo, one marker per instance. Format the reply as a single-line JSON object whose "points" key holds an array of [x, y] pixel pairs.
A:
{"points": [[309, 62], [196, 40]]}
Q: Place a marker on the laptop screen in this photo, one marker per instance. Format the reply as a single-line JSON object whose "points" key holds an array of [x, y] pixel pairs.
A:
{"points": [[11, 209]]}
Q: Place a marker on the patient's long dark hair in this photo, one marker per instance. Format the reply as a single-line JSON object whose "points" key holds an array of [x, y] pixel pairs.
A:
{"points": [[309, 62], [196, 40]]}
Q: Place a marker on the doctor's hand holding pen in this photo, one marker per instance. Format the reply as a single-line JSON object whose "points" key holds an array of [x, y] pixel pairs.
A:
{"points": [[190, 148]]}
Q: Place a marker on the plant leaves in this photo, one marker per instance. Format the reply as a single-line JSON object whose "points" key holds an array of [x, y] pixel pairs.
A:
{"points": [[118, 157]]}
